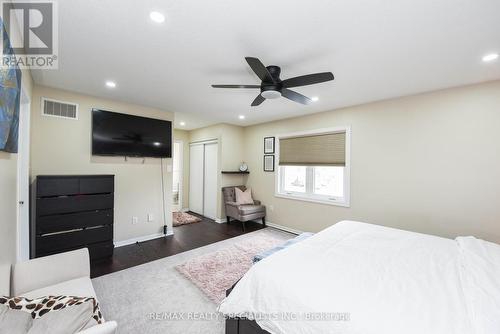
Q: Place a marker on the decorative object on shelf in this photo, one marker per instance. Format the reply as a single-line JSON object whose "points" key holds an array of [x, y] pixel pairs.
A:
{"points": [[234, 172], [268, 163], [268, 145], [243, 167]]}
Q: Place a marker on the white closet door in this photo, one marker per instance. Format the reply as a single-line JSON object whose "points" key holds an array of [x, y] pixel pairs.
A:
{"points": [[196, 175], [211, 191]]}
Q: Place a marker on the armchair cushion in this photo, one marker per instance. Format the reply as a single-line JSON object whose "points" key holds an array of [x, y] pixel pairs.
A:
{"points": [[243, 197], [249, 209], [50, 270], [242, 212], [230, 193], [76, 287]]}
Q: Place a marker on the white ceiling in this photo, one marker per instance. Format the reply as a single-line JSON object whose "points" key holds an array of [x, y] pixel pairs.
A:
{"points": [[376, 49]]}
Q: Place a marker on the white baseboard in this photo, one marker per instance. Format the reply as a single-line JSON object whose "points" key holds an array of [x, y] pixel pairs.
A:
{"points": [[220, 220], [268, 223], [284, 228], [141, 239]]}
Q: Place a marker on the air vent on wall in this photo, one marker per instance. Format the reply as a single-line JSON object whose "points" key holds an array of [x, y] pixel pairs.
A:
{"points": [[54, 108]]}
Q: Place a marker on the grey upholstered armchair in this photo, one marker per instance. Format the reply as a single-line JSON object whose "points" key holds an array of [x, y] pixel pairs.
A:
{"points": [[243, 212]]}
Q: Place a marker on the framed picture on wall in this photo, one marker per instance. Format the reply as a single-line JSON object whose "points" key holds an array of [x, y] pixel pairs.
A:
{"points": [[269, 145], [10, 88], [268, 163]]}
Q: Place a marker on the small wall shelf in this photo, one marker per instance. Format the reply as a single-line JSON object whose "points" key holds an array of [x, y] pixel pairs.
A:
{"points": [[234, 172]]}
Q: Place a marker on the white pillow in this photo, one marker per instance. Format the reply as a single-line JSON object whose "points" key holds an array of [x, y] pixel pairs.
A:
{"points": [[244, 197], [50, 314], [71, 319], [14, 321]]}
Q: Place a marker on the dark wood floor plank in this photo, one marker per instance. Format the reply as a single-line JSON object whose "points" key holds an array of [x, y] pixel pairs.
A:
{"points": [[186, 237]]}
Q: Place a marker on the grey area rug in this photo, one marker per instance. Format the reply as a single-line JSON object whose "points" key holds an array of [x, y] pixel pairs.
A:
{"points": [[216, 272], [155, 298]]}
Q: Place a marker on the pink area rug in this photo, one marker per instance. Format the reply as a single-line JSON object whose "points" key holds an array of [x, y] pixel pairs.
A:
{"points": [[216, 272], [182, 218]]}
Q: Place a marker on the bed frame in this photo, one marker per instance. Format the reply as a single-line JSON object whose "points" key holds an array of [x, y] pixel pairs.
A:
{"points": [[242, 325]]}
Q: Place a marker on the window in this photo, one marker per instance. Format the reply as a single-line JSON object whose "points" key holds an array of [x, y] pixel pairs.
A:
{"points": [[294, 179], [314, 166]]}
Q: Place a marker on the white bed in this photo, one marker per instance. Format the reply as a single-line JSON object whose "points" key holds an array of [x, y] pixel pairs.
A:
{"points": [[378, 280]]}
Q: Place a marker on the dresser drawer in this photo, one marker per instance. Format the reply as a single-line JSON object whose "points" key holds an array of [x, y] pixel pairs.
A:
{"points": [[57, 223], [72, 240], [72, 204], [47, 187], [97, 185], [72, 212]]}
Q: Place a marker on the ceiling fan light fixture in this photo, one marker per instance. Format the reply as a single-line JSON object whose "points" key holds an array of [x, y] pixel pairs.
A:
{"points": [[270, 94], [272, 87]]}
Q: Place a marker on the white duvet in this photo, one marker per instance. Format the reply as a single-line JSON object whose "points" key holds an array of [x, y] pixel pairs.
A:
{"points": [[366, 279]]}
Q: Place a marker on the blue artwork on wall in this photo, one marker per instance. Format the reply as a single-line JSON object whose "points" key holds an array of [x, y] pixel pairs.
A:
{"points": [[10, 96]]}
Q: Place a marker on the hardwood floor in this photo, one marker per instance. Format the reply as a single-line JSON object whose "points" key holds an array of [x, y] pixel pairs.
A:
{"points": [[185, 238]]}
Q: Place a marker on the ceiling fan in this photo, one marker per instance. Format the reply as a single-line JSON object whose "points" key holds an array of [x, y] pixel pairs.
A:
{"points": [[273, 87]]}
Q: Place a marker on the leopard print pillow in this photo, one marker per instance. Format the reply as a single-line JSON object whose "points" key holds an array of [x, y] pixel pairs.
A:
{"points": [[43, 305]]}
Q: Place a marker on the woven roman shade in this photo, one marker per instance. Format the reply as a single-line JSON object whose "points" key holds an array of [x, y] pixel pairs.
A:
{"points": [[315, 150]]}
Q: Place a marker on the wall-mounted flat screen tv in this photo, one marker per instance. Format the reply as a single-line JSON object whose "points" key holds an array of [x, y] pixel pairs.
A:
{"points": [[115, 134]]}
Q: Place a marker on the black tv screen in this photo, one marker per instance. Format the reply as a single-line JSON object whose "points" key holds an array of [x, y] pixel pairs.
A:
{"points": [[130, 136]]}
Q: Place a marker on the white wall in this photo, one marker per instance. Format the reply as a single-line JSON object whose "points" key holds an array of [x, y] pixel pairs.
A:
{"points": [[60, 146], [8, 207], [8, 193], [428, 163], [231, 154]]}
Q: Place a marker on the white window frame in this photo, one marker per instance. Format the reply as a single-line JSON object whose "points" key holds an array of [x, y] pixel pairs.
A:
{"points": [[278, 176]]}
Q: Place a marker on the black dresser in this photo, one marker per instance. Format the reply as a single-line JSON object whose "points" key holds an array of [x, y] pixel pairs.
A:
{"points": [[71, 212]]}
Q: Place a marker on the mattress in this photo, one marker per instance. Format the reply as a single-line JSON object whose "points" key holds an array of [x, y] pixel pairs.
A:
{"points": [[365, 279]]}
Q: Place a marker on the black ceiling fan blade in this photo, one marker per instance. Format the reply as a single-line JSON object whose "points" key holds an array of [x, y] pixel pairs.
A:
{"points": [[236, 86], [259, 69], [309, 79], [258, 100], [294, 96]]}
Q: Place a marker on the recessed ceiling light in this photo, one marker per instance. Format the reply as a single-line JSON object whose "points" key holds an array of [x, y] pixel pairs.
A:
{"points": [[314, 98], [490, 57], [182, 123], [241, 116], [110, 84], [157, 17]]}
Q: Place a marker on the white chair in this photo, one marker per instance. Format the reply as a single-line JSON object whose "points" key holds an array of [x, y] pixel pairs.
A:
{"points": [[61, 274]]}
